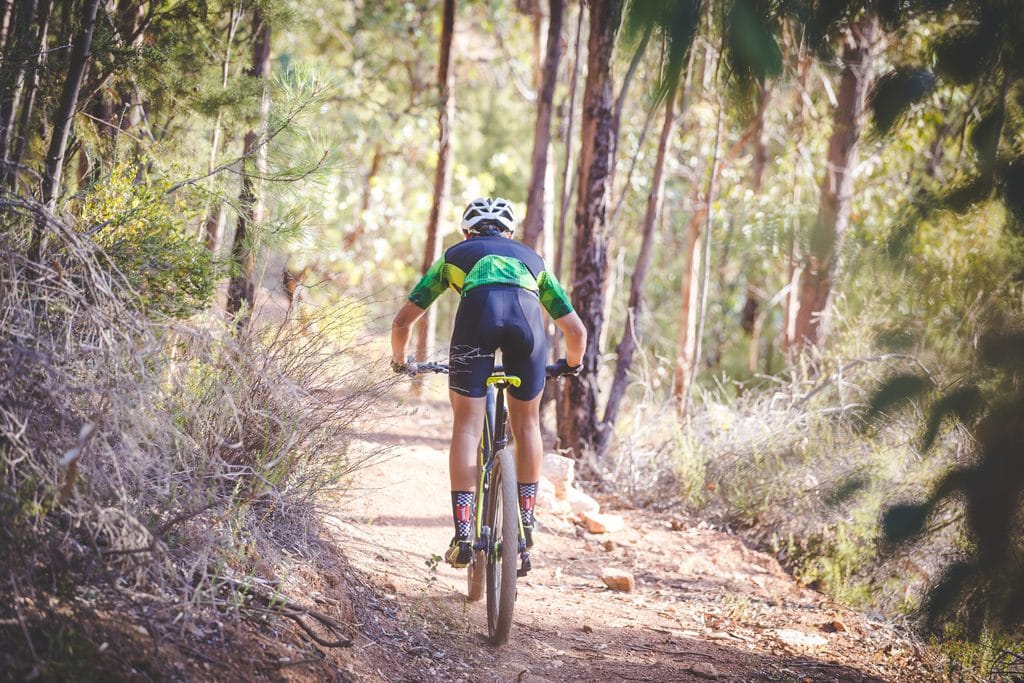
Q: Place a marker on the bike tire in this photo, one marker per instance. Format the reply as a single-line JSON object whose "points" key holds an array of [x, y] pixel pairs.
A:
{"points": [[503, 519]]}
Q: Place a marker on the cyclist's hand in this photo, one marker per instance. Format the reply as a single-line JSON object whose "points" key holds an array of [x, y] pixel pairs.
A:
{"points": [[562, 368], [406, 368]]}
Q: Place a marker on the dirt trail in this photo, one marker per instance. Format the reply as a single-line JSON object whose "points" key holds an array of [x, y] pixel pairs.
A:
{"points": [[705, 607]]}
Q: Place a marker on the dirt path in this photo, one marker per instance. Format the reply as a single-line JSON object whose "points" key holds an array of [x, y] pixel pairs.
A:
{"points": [[705, 607]]}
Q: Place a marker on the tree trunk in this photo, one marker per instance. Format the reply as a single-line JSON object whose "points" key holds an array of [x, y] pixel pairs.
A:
{"points": [[760, 140], [694, 288], [215, 215], [62, 123], [242, 288], [688, 320], [568, 177], [627, 345], [533, 224], [752, 304], [591, 250], [426, 327], [6, 12], [690, 286], [568, 180], [353, 236], [790, 302], [820, 265], [17, 58], [705, 266], [31, 89]]}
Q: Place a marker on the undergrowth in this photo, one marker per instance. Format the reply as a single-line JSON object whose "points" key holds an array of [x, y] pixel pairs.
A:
{"points": [[792, 466], [153, 466]]}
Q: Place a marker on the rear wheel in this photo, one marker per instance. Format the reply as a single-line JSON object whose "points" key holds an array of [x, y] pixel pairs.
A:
{"points": [[502, 516]]}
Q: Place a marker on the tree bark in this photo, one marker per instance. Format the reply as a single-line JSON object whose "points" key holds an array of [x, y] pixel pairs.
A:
{"points": [[18, 60], [790, 303], [591, 250], [705, 265], [242, 288], [427, 325], [6, 12], [567, 175], [820, 265], [31, 89], [62, 123], [215, 215], [627, 345], [568, 180], [752, 304], [533, 224]]}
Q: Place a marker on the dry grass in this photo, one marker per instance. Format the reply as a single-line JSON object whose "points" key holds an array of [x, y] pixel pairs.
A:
{"points": [[793, 466], [163, 459]]}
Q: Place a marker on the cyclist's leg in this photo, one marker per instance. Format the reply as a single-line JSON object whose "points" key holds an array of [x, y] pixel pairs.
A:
{"points": [[471, 360], [524, 419], [467, 425]]}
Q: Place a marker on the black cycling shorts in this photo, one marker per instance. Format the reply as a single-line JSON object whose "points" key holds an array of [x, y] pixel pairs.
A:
{"points": [[494, 317]]}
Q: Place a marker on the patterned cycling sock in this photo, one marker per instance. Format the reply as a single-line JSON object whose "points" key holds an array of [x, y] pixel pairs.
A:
{"points": [[527, 500], [462, 513]]}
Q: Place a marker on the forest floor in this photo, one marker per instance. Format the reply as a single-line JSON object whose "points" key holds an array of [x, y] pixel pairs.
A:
{"points": [[705, 607]]}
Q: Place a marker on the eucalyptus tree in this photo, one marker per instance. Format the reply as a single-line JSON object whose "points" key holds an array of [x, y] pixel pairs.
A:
{"points": [[533, 224], [63, 120], [817, 273], [578, 430], [242, 288], [676, 25], [426, 327]]}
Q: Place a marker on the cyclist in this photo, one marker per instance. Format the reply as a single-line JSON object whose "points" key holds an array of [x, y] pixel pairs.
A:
{"points": [[504, 286]]}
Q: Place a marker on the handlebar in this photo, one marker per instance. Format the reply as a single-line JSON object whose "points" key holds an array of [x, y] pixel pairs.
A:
{"points": [[550, 371]]}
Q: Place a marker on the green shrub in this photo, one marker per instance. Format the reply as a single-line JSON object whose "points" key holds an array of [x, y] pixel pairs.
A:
{"points": [[145, 237]]}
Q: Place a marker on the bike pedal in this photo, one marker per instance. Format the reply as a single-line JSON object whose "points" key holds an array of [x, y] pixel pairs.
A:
{"points": [[525, 567]]}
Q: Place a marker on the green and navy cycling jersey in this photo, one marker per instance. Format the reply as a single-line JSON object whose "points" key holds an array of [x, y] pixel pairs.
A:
{"points": [[483, 261]]}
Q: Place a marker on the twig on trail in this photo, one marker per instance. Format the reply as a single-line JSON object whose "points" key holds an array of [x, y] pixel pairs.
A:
{"points": [[296, 612], [280, 605], [687, 653], [275, 666], [816, 664], [21, 618], [323, 619]]}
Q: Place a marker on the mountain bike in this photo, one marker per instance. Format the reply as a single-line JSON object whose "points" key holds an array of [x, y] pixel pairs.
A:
{"points": [[497, 523]]}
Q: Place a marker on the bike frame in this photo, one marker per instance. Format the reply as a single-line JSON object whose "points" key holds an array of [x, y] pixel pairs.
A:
{"points": [[493, 439]]}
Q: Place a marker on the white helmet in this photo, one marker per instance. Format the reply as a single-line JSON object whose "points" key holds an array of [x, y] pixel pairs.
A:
{"points": [[484, 210]]}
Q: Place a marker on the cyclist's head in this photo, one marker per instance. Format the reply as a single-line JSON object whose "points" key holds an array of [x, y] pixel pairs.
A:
{"points": [[486, 216]]}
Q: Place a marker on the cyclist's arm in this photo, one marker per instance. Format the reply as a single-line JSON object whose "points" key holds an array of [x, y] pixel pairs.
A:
{"points": [[556, 302], [430, 286], [575, 337], [401, 328]]}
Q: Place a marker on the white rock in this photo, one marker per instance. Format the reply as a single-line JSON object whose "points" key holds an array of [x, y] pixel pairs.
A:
{"points": [[618, 579], [598, 523], [799, 639], [560, 471], [548, 502], [704, 670], [580, 503]]}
